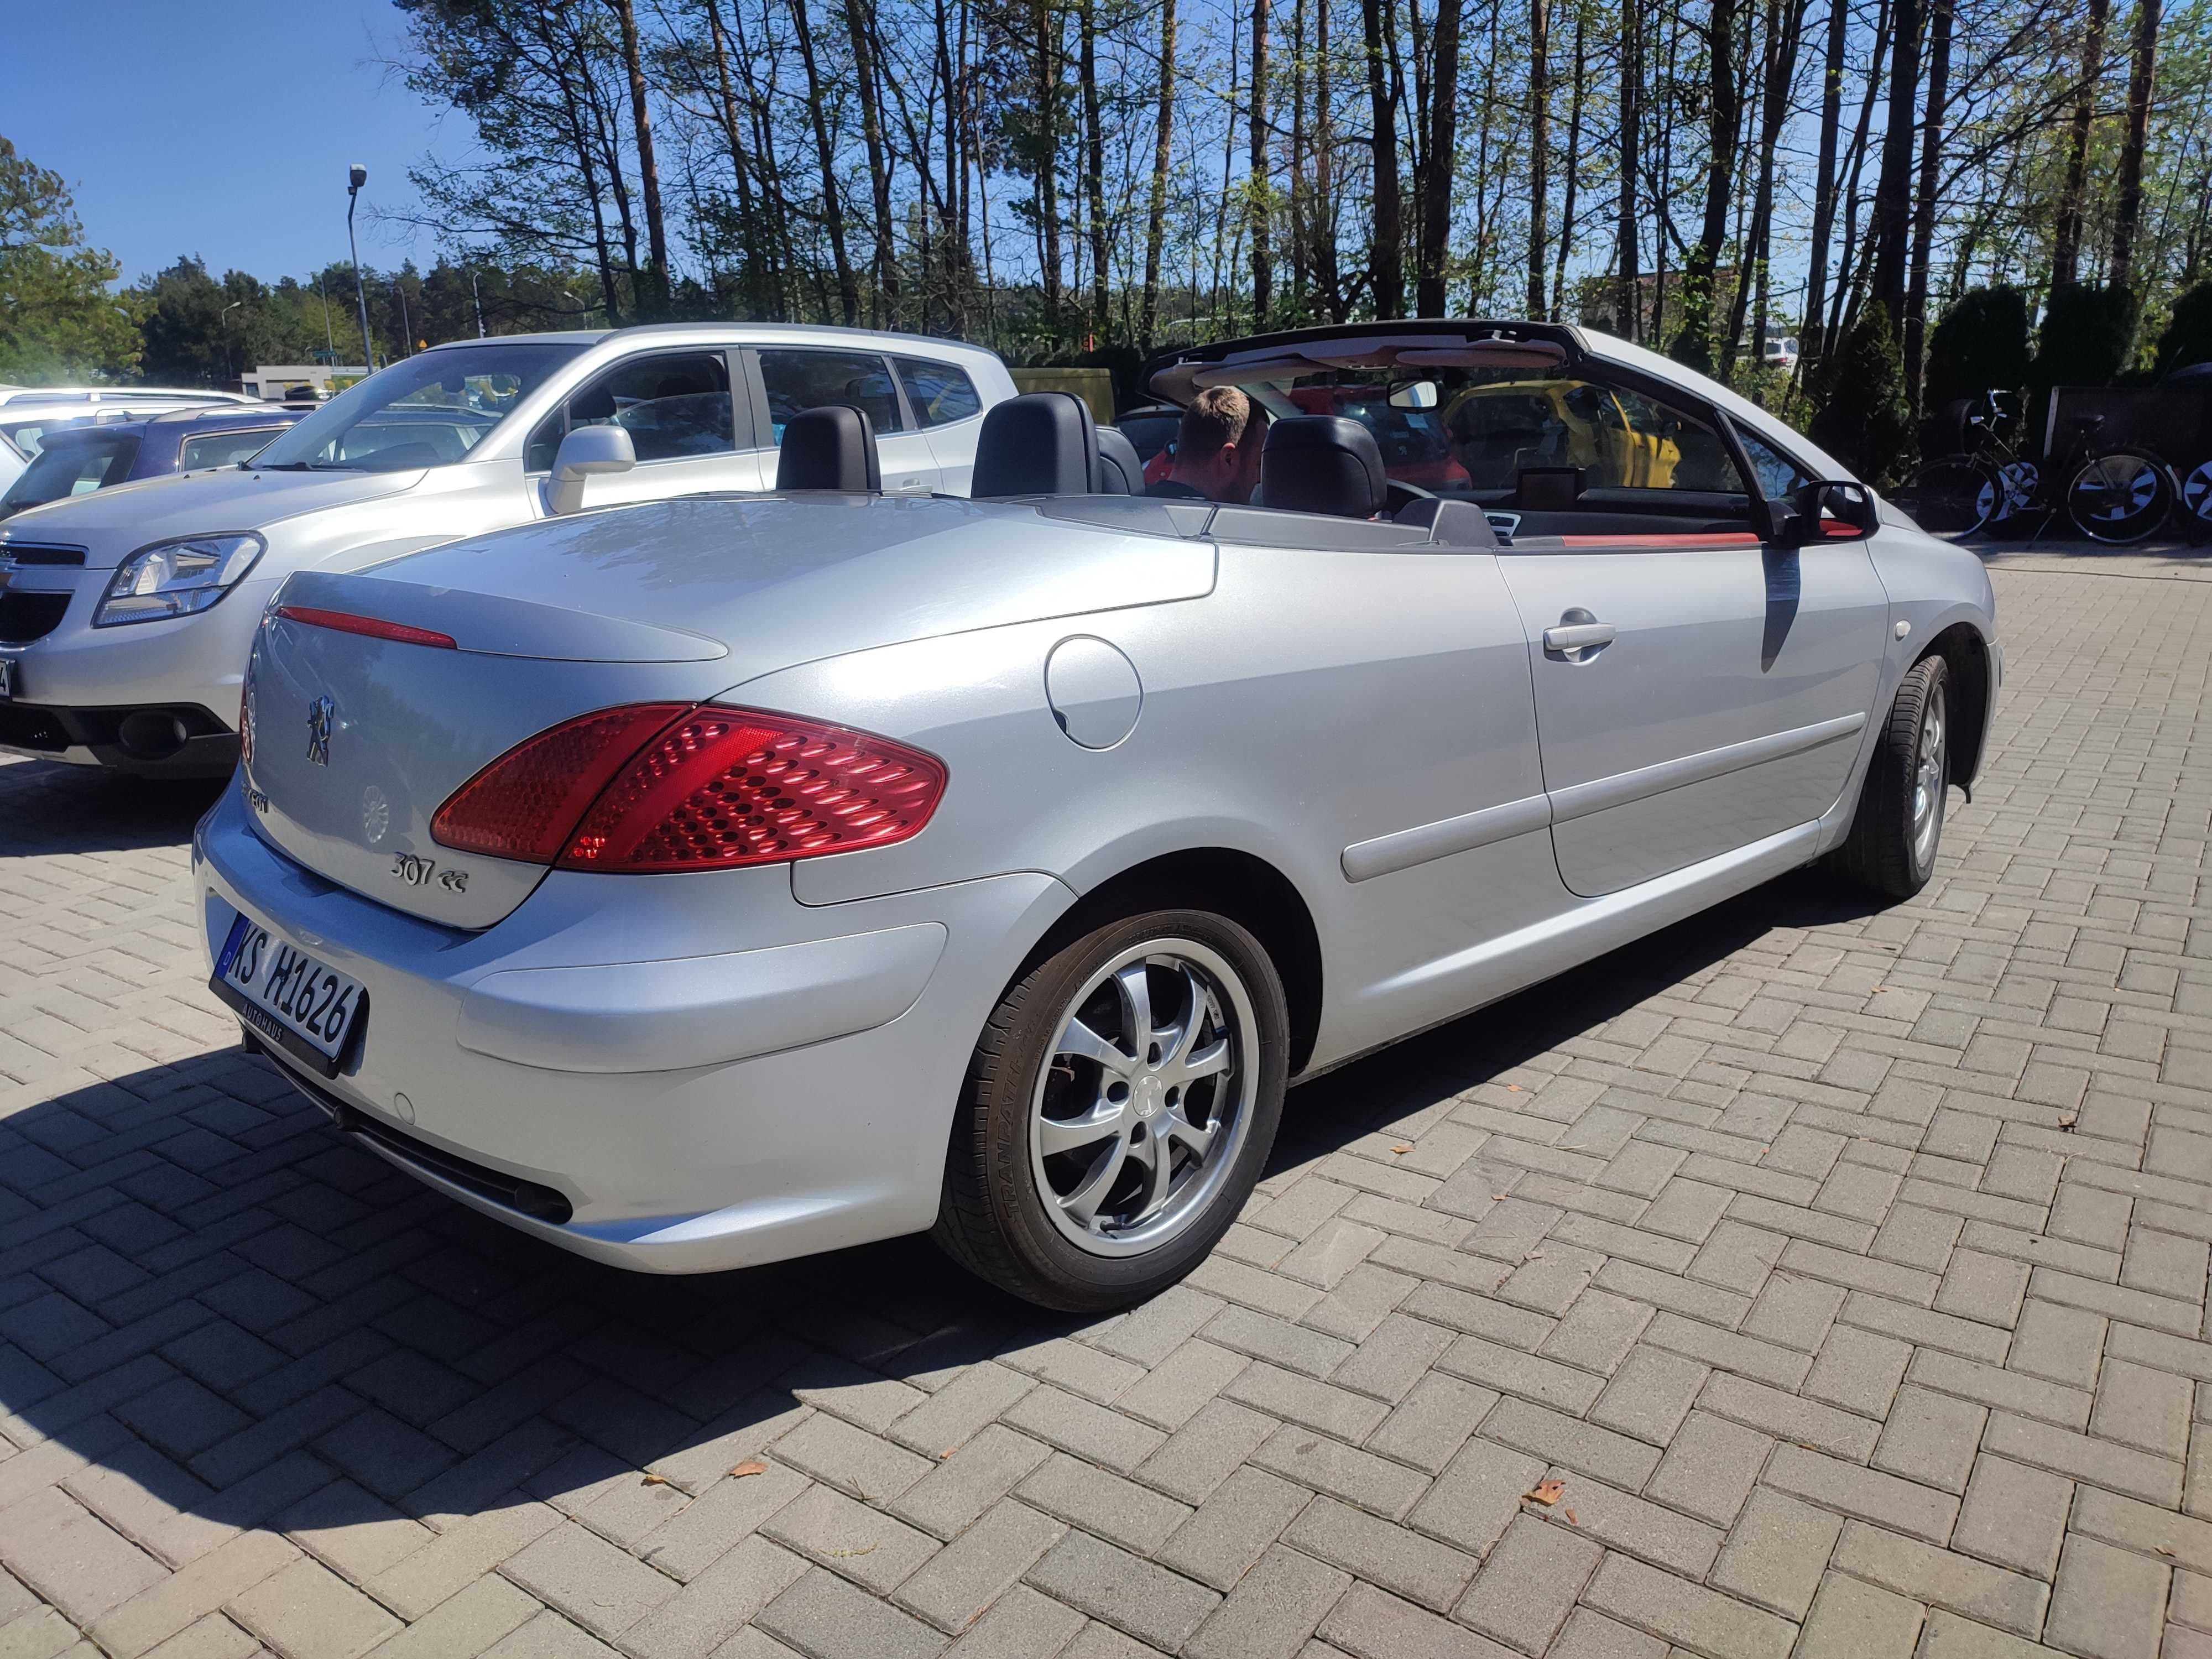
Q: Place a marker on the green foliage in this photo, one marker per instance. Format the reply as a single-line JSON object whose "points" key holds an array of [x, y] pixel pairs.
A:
{"points": [[1982, 342], [2088, 328], [58, 320], [2188, 336], [1865, 417]]}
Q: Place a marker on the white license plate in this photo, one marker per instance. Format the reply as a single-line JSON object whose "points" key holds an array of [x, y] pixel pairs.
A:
{"points": [[283, 992], [6, 678]]}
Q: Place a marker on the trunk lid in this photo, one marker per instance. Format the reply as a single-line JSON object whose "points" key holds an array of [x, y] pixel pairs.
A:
{"points": [[358, 741]]}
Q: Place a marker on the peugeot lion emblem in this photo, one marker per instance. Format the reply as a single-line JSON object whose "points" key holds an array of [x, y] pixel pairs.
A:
{"points": [[322, 714]]}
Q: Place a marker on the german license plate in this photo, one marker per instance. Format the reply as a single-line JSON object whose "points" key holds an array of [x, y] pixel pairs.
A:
{"points": [[285, 994], [6, 678]]}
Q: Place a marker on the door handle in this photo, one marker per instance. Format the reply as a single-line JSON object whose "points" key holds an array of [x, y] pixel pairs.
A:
{"points": [[1578, 636]]}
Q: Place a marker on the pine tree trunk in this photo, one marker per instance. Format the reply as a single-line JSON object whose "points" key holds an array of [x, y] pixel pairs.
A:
{"points": [[1567, 238], [1162, 156], [2127, 220], [1385, 262], [1443, 143], [1824, 187], [833, 213], [2066, 232], [648, 171], [1540, 146], [1048, 96], [1693, 342], [740, 169], [860, 23], [1923, 211], [1263, 266], [1322, 208], [1893, 189], [1628, 307], [1094, 144]]}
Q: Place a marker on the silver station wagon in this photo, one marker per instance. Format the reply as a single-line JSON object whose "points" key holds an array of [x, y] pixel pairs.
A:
{"points": [[710, 881]]}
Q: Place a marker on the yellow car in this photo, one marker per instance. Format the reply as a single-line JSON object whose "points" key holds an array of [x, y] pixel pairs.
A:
{"points": [[1500, 427]]}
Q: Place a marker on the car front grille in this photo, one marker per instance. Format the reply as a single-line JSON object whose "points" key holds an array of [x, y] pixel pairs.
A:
{"points": [[27, 617], [39, 553]]}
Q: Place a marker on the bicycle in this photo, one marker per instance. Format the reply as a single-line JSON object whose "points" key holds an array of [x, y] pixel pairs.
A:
{"points": [[2116, 496]]}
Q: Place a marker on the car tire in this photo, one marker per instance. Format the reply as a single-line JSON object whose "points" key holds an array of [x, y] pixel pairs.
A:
{"points": [[1899, 825], [1053, 1189]]}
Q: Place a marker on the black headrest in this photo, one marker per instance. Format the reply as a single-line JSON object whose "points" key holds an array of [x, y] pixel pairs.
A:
{"points": [[1042, 443], [832, 447], [1120, 471], [1323, 464]]}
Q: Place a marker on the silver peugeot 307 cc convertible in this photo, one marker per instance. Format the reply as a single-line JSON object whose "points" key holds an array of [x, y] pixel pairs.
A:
{"points": [[720, 880]]}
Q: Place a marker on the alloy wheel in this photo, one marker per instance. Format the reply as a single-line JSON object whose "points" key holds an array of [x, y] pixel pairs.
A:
{"points": [[1145, 1098], [1930, 779]]}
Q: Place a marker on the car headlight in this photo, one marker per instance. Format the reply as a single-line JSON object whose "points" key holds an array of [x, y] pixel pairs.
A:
{"points": [[175, 578]]}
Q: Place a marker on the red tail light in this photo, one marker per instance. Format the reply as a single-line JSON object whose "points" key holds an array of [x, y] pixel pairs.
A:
{"points": [[345, 622], [658, 786]]}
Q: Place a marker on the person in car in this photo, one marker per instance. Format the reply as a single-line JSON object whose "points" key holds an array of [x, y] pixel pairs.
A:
{"points": [[1217, 453]]}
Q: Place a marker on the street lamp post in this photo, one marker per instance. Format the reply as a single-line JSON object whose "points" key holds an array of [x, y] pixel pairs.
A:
{"points": [[230, 357], [357, 176]]}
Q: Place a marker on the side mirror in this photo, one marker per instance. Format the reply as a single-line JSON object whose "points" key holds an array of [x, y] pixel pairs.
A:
{"points": [[586, 451], [1840, 510]]}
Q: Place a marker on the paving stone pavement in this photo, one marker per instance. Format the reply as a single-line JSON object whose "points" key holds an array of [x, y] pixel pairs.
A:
{"points": [[1845, 1268]]}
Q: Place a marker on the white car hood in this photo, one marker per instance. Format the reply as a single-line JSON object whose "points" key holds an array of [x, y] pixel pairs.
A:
{"points": [[111, 524]]}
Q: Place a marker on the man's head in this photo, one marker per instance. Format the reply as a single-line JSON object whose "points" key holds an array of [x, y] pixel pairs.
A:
{"points": [[1218, 449]]}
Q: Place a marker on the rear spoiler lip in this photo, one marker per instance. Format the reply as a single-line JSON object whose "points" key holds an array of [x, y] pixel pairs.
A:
{"points": [[492, 624]]}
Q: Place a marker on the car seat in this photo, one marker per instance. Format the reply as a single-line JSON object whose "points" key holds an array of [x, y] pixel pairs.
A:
{"points": [[1120, 471], [1323, 464], [1042, 443], [832, 447]]}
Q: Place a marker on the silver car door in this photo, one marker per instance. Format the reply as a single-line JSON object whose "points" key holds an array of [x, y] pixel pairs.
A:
{"points": [[1696, 691], [684, 422], [1694, 699], [942, 400], [1379, 696], [795, 378]]}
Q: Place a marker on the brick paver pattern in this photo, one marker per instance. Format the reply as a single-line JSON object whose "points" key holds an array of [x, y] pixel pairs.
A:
{"points": [[1837, 1275]]}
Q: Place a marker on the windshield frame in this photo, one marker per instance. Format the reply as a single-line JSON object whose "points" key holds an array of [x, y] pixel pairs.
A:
{"points": [[295, 449]]}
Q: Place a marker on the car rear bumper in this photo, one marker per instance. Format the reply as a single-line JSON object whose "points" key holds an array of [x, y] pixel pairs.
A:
{"points": [[675, 1074]]}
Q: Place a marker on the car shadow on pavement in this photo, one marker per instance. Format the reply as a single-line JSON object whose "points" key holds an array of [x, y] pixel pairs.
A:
{"points": [[51, 808], [217, 1315]]}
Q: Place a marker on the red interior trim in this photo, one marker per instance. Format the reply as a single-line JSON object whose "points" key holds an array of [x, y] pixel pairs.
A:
{"points": [[375, 627], [1718, 538]]}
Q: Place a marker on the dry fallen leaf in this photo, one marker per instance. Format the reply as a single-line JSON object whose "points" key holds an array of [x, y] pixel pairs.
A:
{"points": [[751, 1466], [1546, 1492], [2161, 1549], [1532, 1255], [1573, 1520], [1512, 1088], [946, 1453], [655, 1480], [1403, 1147], [2068, 1120]]}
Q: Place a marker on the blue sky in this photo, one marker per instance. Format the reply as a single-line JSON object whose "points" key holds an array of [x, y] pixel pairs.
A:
{"points": [[224, 130]]}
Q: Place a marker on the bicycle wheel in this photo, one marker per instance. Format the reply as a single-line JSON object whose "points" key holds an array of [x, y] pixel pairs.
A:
{"points": [[2196, 501], [2120, 496], [2017, 482], [1953, 496]]}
